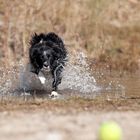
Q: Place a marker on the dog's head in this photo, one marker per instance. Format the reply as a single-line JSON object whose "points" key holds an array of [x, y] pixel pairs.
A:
{"points": [[46, 52], [47, 58], [41, 57]]}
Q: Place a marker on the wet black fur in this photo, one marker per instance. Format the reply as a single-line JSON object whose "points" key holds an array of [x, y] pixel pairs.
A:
{"points": [[48, 48]]}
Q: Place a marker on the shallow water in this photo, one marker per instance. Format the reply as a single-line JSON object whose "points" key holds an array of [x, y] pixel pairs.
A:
{"points": [[116, 85], [78, 80]]}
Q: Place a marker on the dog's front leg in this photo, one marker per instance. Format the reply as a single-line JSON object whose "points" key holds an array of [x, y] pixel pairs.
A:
{"points": [[57, 76]]}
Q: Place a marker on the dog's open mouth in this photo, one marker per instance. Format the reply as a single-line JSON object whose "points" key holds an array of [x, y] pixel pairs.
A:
{"points": [[46, 68]]}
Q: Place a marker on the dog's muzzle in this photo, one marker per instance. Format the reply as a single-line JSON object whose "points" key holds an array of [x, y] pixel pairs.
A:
{"points": [[46, 67]]}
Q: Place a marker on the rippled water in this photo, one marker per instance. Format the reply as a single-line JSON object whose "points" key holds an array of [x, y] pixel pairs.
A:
{"points": [[78, 80]]}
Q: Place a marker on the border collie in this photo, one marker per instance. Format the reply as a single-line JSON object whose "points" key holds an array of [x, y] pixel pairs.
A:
{"points": [[47, 52]]}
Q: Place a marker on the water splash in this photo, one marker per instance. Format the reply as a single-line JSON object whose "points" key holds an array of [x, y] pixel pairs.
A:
{"points": [[78, 77], [8, 81], [115, 89]]}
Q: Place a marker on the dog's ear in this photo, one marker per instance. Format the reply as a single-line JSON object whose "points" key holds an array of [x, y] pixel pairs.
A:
{"points": [[35, 39]]}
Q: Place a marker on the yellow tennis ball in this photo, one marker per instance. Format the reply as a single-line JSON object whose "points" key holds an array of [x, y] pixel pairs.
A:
{"points": [[110, 131]]}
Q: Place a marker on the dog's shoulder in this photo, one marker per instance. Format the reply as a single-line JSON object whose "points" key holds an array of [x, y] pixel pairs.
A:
{"points": [[54, 38], [56, 43]]}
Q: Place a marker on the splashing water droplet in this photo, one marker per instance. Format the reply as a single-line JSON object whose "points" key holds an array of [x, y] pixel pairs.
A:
{"points": [[77, 76]]}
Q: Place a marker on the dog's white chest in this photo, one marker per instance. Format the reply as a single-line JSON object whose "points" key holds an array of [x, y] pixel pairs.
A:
{"points": [[45, 79], [41, 78]]}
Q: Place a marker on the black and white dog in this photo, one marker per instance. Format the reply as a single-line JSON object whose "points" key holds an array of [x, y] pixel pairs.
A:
{"points": [[47, 52]]}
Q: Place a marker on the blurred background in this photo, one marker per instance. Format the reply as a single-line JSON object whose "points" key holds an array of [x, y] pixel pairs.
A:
{"points": [[108, 31]]}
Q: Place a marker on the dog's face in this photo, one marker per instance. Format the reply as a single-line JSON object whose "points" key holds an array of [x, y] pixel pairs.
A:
{"points": [[41, 57], [47, 59], [47, 52]]}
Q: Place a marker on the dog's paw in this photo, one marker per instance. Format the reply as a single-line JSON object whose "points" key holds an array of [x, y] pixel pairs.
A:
{"points": [[54, 94]]}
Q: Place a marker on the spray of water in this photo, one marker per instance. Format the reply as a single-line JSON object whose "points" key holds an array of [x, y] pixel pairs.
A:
{"points": [[76, 77], [8, 81]]}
